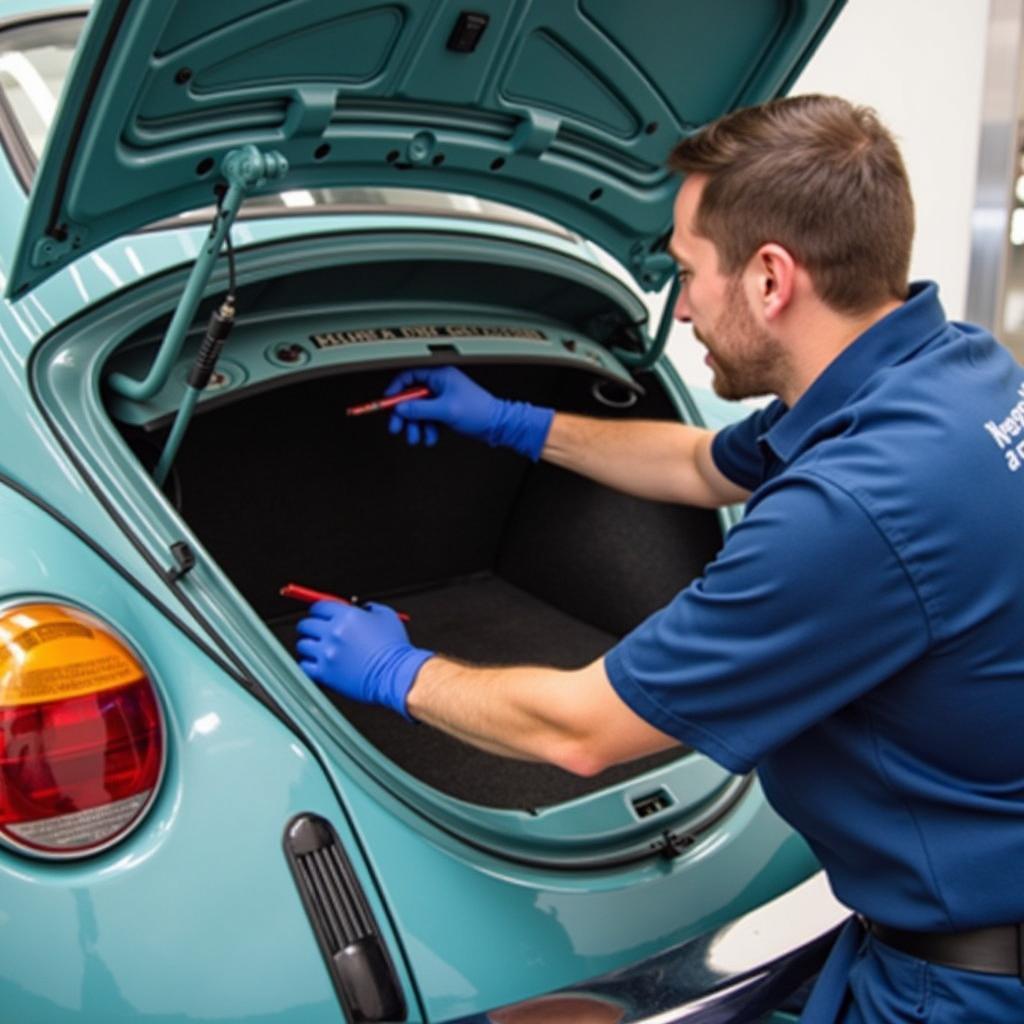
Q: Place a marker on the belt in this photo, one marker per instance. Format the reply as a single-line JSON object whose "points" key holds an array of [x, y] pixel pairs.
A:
{"points": [[995, 950]]}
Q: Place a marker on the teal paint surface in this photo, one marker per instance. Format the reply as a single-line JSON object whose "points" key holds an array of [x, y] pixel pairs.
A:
{"points": [[486, 932], [194, 917], [566, 110]]}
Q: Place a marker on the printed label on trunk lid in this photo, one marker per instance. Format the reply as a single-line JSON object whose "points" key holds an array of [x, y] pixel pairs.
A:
{"points": [[418, 332]]}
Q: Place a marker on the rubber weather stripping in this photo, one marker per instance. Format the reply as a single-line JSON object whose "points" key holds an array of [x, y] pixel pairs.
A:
{"points": [[668, 845], [249, 684]]}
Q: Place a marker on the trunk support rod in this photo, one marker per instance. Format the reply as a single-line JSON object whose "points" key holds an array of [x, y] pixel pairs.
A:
{"points": [[646, 359], [245, 169]]}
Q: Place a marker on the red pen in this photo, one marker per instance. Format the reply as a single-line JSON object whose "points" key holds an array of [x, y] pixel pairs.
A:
{"points": [[300, 593], [387, 403]]}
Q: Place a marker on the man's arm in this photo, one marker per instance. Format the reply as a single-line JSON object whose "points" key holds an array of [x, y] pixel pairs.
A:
{"points": [[573, 718], [650, 459], [653, 459]]}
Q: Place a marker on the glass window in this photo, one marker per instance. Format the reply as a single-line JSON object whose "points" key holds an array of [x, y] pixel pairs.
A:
{"points": [[34, 61]]}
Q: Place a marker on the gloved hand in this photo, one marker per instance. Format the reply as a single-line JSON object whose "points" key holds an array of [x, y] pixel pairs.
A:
{"points": [[466, 407], [362, 652]]}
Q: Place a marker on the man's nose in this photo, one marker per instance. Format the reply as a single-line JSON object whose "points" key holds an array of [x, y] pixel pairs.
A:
{"points": [[682, 310]]}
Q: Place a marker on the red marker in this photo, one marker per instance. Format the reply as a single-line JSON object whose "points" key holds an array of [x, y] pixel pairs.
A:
{"points": [[387, 403], [300, 593]]}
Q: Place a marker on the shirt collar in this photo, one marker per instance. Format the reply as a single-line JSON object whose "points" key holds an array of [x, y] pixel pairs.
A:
{"points": [[884, 343]]}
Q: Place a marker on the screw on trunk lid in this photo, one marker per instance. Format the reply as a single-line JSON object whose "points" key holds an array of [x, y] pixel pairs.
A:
{"points": [[421, 148]]}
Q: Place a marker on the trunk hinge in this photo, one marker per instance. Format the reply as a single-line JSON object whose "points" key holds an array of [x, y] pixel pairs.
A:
{"points": [[636, 361]]}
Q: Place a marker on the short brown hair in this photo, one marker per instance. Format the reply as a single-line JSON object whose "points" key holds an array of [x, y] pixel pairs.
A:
{"points": [[817, 175]]}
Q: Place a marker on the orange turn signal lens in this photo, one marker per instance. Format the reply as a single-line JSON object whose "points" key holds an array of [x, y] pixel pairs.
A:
{"points": [[81, 732]]}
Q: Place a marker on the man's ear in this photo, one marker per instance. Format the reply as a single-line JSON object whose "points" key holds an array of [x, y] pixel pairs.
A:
{"points": [[774, 271]]}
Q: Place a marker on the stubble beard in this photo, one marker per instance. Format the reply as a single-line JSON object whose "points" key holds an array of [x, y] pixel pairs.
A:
{"points": [[748, 360]]}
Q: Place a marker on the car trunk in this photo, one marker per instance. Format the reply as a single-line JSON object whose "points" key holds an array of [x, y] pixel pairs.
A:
{"points": [[494, 558]]}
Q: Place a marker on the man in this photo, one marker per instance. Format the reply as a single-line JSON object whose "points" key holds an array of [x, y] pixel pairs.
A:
{"points": [[858, 637]]}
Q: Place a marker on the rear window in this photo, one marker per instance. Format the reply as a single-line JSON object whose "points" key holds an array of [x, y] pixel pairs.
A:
{"points": [[34, 61]]}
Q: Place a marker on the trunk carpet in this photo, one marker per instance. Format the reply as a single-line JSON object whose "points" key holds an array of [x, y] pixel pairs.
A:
{"points": [[477, 618]]}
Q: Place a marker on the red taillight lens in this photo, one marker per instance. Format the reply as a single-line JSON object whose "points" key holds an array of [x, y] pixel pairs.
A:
{"points": [[81, 732]]}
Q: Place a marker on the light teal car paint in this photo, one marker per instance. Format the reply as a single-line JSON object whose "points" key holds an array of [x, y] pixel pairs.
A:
{"points": [[195, 916], [513, 931], [566, 110]]}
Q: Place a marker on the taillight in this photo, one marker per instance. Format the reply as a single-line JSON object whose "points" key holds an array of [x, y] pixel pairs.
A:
{"points": [[81, 732]]}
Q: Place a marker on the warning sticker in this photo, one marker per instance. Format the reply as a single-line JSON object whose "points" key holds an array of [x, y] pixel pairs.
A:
{"points": [[421, 332], [50, 652], [46, 632], [31, 686]]}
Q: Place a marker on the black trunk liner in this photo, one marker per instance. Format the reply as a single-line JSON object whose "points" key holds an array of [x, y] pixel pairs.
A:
{"points": [[497, 559], [483, 618]]}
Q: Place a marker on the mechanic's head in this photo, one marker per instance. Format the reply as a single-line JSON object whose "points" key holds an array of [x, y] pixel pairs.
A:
{"points": [[792, 230], [816, 175]]}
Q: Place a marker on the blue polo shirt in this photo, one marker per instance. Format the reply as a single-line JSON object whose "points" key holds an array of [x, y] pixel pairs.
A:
{"points": [[860, 636]]}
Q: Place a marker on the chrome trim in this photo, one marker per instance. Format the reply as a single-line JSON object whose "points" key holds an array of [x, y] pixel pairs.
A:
{"points": [[47, 14], [737, 973], [998, 148]]}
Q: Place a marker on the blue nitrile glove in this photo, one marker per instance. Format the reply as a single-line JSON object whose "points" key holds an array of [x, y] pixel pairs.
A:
{"points": [[362, 652], [464, 406]]}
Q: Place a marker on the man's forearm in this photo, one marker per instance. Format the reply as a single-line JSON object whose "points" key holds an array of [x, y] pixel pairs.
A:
{"points": [[570, 718], [653, 459], [513, 712], [430, 705]]}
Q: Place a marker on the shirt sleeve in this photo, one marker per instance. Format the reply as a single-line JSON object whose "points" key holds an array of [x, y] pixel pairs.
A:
{"points": [[806, 608], [736, 451]]}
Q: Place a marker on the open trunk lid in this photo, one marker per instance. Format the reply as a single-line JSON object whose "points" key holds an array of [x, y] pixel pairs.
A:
{"points": [[566, 109]]}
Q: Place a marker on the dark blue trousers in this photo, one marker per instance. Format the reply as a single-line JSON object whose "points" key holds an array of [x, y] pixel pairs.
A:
{"points": [[867, 982]]}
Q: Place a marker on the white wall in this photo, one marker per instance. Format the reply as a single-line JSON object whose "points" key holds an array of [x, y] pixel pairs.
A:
{"points": [[919, 63]]}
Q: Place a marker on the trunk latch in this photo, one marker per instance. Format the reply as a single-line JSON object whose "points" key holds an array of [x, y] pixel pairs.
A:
{"points": [[672, 844]]}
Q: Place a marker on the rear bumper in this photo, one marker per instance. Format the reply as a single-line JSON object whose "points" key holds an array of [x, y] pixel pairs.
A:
{"points": [[736, 973]]}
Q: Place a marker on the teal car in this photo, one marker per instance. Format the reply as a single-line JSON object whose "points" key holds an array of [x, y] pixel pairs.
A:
{"points": [[225, 225]]}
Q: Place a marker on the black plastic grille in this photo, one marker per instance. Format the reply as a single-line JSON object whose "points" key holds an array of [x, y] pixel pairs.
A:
{"points": [[343, 923], [343, 917]]}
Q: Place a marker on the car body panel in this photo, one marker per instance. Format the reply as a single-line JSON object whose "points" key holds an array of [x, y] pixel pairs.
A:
{"points": [[567, 109], [198, 902], [546, 926], [726, 974]]}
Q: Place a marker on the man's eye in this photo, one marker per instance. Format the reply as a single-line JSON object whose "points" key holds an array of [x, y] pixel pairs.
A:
{"points": [[685, 275]]}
